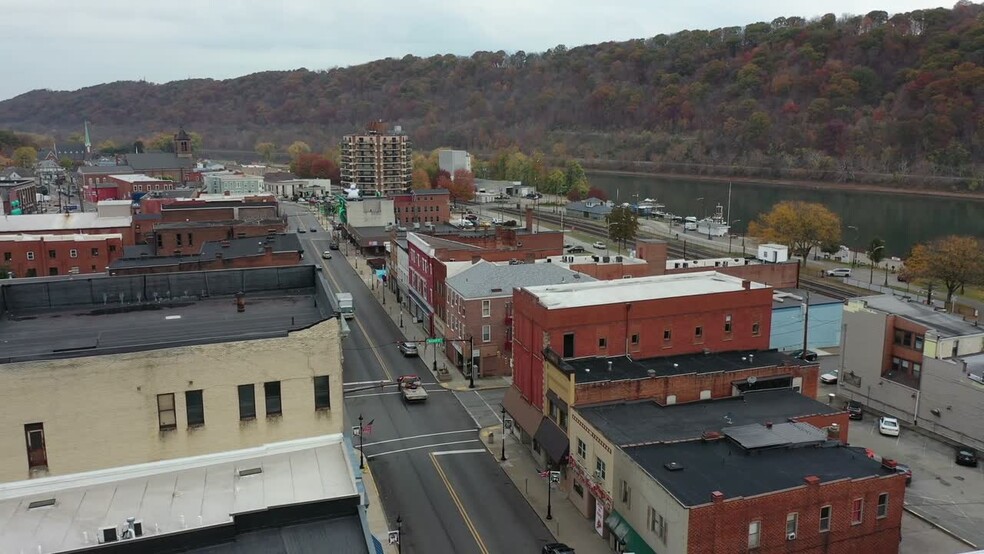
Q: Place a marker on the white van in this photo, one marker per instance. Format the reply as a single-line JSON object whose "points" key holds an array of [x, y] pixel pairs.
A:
{"points": [[839, 272]]}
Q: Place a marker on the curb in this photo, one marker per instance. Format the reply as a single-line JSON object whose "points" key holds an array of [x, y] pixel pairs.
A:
{"points": [[940, 527]]}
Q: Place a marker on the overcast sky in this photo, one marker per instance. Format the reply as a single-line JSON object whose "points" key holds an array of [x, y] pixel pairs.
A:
{"points": [[68, 44]]}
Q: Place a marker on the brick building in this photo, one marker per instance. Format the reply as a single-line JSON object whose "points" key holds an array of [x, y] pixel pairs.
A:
{"points": [[642, 318], [20, 192], [479, 306], [184, 238], [123, 187], [270, 251], [422, 206], [73, 254], [98, 222], [377, 161]]}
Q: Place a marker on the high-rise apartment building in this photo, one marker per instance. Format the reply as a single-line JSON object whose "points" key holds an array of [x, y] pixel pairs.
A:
{"points": [[377, 161]]}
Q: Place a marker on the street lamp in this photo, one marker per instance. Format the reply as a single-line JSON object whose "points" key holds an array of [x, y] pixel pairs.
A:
{"points": [[401, 316], [399, 534], [471, 363], [503, 457], [549, 488], [731, 235], [854, 255], [362, 462], [871, 272]]}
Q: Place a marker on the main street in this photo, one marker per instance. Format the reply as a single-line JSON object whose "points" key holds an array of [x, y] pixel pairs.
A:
{"points": [[427, 459]]}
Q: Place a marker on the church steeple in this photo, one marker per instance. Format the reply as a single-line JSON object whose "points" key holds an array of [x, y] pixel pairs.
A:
{"points": [[88, 143], [182, 144]]}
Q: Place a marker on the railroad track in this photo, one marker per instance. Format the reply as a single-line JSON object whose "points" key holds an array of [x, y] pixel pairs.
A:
{"points": [[675, 248]]}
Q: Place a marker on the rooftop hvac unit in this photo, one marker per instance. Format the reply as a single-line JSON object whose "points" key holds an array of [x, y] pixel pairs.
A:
{"points": [[108, 534]]}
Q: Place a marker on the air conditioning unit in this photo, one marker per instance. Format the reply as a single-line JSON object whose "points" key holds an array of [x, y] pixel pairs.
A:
{"points": [[791, 537], [596, 474]]}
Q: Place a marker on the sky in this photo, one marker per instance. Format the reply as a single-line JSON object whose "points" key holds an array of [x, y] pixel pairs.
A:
{"points": [[68, 44]]}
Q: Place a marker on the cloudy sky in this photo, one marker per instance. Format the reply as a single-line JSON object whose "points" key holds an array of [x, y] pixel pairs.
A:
{"points": [[68, 44]]}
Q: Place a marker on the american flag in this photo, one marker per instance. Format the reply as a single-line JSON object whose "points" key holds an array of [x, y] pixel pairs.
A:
{"points": [[545, 473], [367, 428]]}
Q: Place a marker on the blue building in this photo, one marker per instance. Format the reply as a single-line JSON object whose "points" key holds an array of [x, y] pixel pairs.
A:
{"points": [[590, 208], [789, 311]]}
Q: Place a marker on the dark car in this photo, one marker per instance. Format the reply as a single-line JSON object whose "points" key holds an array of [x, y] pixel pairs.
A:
{"points": [[967, 457], [301, 231], [904, 470], [556, 548], [576, 250], [855, 410], [408, 348], [333, 245], [807, 355], [314, 229]]}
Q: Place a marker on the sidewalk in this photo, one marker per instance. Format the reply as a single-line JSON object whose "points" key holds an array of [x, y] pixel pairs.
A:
{"points": [[375, 516], [567, 524]]}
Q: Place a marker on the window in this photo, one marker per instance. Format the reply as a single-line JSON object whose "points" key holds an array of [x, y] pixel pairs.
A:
{"points": [[112, 248], [486, 333], [882, 505], [568, 345], [857, 511], [177, 238], [30, 254], [31, 272], [582, 449], [918, 345], [247, 402], [755, 329], [486, 308], [322, 394], [792, 522], [195, 407], [635, 339], [626, 494], [37, 457], [7, 256], [825, 519], [95, 252], [698, 332], [727, 324], [73, 253], [916, 370], [271, 390], [578, 489], [602, 342], [52, 254], [166, 417], [190, 240], [754, 534], [600, 468], [667, 335], [656, 523]]}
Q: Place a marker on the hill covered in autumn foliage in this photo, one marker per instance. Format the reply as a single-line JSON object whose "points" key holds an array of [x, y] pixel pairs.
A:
{"points": [[873, 97]]}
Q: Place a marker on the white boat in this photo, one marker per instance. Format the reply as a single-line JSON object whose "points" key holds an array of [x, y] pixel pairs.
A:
{"points": [[716, 225]]}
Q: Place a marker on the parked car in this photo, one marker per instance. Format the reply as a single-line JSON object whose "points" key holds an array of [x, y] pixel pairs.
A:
{"points": [[807, 355], [904, 470], [313, 229], [829, 378], [839, 272], [855, 410], [471, 217], [599, 244], [888, 426], [326, 255], [556, 548], [300, 230], [967, 457], [408, 349], [576, 250], [333, 245]]}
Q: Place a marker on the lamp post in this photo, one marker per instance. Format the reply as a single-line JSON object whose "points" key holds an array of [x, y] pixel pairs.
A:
{"points": [[871, 272], [435, 358], [362, 462], [854, 254], [401, 316], [730, 234], [549, 488], [503, 457], [399, 534], [471, 363]]}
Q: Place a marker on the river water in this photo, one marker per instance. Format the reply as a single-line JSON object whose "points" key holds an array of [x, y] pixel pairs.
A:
{"points": [[901, 220]]}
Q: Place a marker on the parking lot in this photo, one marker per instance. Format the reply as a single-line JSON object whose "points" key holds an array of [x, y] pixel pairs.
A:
{"points": [[943, 492]]}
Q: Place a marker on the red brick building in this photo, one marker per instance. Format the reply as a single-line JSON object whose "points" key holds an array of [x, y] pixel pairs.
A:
{"points": [[70, 254], [643, 318], [269, 251], [183, 238], [98, 222], [22, 191], [183, 225], [422, 206]]}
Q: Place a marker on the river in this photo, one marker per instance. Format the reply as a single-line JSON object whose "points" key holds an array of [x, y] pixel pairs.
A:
{"points": [[902, 220]]}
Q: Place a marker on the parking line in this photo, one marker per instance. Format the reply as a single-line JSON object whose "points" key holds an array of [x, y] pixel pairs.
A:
{"points": [[461, 508], [417, 447]]}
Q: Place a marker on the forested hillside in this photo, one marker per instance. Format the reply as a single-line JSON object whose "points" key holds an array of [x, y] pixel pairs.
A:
{"points": [[869, 97]]}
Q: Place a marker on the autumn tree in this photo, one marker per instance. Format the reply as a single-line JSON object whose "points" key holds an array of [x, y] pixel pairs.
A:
{"points": [[463, 186], [297, 148], [875, 253], [954, 261], [25, 156], [623, 225], [801, 226], [595, 192], [107, 147], [442, 176], [161, 142], [266, 150], [420, 179]]}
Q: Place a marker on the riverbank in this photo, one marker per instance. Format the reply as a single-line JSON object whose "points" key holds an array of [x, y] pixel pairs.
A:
{"points": [[797, 184]]}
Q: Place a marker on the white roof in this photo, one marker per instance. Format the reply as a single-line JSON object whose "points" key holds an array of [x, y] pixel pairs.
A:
{"points": [[710, 262], [34, 223], [114, 203], [221, 197], [55, 238], [137, 178], [619, 291], [172, 495]]}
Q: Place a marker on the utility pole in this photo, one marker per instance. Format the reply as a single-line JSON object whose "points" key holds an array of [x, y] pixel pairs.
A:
{"points": [[806, 324], [362, 462], [503, 457], [471, 363]]}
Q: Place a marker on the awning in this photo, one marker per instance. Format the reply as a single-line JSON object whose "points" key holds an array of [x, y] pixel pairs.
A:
{"points": [[526, 415], [620, 528], [553, 440]]}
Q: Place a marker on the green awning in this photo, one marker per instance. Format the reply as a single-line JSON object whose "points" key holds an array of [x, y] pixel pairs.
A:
{"points": [[620, 528]]}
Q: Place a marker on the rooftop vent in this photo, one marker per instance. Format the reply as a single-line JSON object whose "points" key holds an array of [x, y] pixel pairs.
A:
{"points": [[250, 471], [673, 466], [609, 365], [41, 503], [651, 372]]}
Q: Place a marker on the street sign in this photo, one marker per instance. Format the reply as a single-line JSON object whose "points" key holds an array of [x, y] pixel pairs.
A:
{"points": [[356, 431], [554, 476], [437, 340], [394, 537], [507, 423]]}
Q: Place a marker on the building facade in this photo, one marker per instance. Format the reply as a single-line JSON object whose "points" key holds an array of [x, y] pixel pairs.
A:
{"points": [[422, 207], [233, 183], [44, 255], [377, 161], [790, 315], [453, 160], [18, 196]]}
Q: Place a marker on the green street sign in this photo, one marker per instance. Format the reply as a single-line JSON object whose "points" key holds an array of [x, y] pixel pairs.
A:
{"points": [[437, 340]]}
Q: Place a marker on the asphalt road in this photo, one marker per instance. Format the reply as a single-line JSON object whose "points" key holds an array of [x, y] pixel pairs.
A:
{"points": [[427, 459]]}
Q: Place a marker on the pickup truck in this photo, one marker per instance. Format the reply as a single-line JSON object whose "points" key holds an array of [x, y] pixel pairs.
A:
{"points": [[412, 388]]}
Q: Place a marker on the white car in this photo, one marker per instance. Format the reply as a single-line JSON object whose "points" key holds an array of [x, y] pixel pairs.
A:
{"points": [[888, 426], [839, 272], [599, 244], [829, 378], [326, 255]]}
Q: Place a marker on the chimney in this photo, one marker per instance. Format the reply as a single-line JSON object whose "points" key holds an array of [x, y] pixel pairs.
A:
{"points": [[812, 480], [529, 220], [746, 284], [717, 497]]}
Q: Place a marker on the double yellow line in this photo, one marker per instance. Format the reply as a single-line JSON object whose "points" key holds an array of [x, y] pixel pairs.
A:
{"points": [[461, 508]]}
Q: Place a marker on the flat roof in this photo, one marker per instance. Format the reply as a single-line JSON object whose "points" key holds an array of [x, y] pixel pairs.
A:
{"points": [[174, 496], [569, 259], [620, 291], [438, 242], [595, 369], [947, 325], [793, 298], [702, 468], [645, 421], [58, 221], [138, 178], [59, 238], [678, 263]]}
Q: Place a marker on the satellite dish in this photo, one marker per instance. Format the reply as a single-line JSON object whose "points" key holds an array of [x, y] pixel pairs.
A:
{"points": [[752, 380]]}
